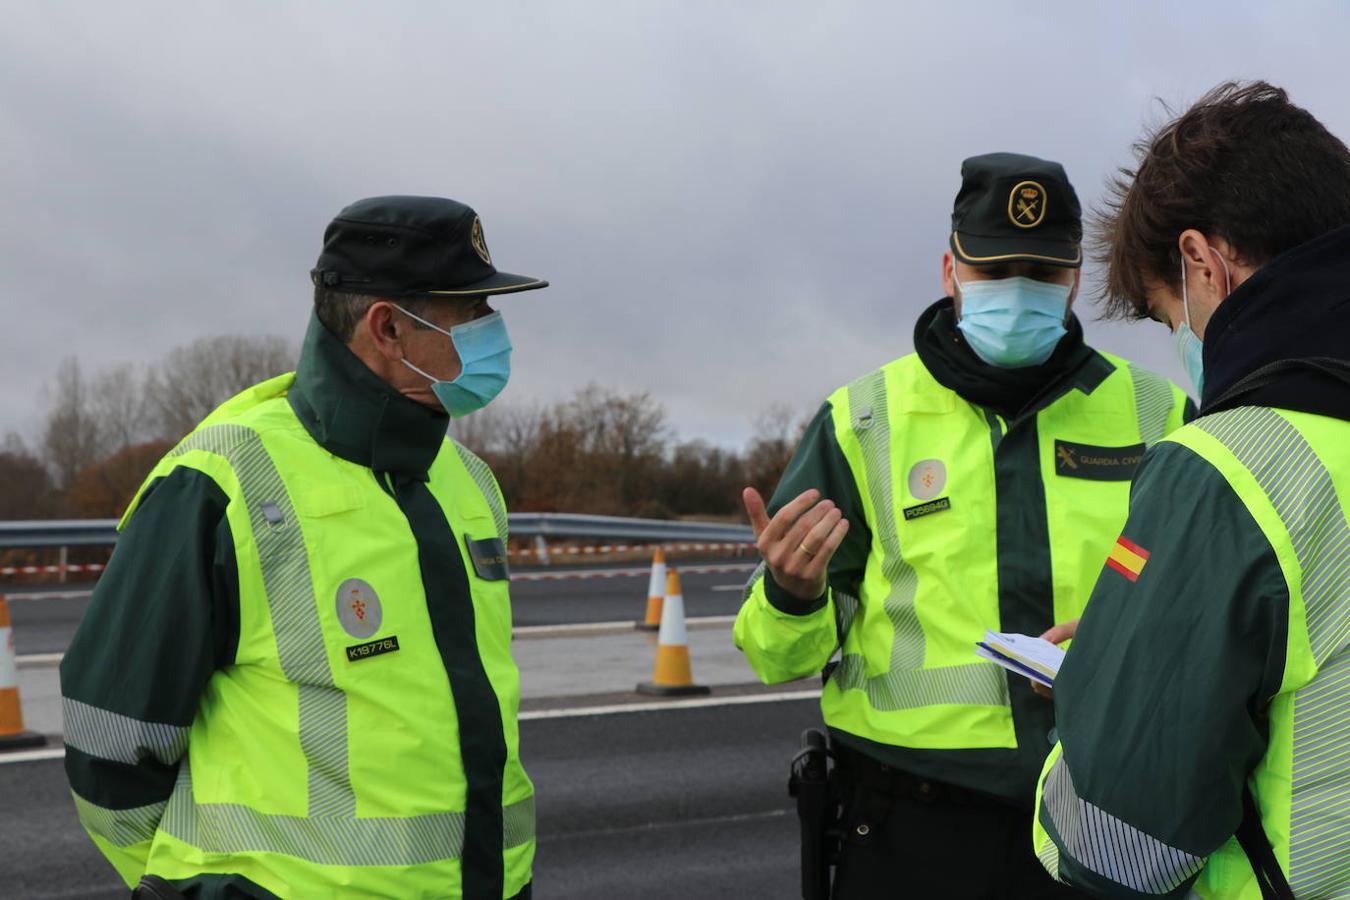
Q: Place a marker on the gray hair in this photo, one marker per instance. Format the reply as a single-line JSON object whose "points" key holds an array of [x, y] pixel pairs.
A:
{"points": [[341, 311]]}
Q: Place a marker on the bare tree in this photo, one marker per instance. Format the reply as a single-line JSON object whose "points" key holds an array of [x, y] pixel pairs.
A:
{"points": [[770, 450], [26, 490], [71, 438], [119, 409], [193, 380]]}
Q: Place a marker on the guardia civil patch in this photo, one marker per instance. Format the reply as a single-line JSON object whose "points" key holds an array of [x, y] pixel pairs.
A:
{"points": [[927, 478], [1097, 463], [489, 558], [358, 608], [358, 652], [927, 509], [1026, 204]]}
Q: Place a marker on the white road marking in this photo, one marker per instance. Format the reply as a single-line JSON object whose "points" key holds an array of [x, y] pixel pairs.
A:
{"points": [[33, 755], [727, 587], [69, 595], [531, 715], [39, 660], [659, 705], [524, 632]]}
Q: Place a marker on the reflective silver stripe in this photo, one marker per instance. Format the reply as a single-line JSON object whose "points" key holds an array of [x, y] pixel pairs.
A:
{"points": [[978, 684], [387, 841], [1300, 489], [323, 738], [867, 401], [1152, 403], [120, 827], [518, 823], [1111, 847], [286, 577], [906, 684], [482, 476], [1048, 854], [109, 735], [1319, 819], [1304, 497], [845, 611]]}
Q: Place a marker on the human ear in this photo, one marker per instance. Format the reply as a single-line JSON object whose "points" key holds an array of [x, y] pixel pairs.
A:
{"points": [[949, 278], [385, 329], [1197, 252]]}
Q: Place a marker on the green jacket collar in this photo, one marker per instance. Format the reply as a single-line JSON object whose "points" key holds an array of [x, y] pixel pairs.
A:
{"points": [[352, 413]]}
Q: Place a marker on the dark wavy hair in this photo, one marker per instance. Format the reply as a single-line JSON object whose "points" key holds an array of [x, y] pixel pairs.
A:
{"points": [[1243, 164]]}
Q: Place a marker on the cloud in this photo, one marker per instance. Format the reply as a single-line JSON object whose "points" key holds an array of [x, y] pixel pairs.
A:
{"points": [[738, 205]]}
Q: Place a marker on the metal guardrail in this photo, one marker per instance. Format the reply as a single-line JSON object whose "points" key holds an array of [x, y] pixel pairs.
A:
{"points": [[95, 532]]}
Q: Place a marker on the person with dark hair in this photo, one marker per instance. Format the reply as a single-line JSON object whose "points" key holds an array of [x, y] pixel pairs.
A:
{"points": [[1203, 723], [974, 484], [295, 679]]}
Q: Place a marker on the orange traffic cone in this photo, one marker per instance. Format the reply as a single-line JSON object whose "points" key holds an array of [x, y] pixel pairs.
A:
{"points": [[672, 675], [12, 735], [656, 592]]}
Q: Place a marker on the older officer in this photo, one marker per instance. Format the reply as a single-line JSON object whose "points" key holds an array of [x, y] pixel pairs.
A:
{"points": [[1203, 723], [294, 679], [977, 483]]}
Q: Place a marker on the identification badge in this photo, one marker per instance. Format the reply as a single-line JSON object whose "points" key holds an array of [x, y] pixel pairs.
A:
{"points": [[358, 652], [489, 558], [1097, 463], [941, 504]]}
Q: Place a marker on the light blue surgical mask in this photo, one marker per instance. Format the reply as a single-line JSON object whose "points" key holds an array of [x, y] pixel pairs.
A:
{"points": [[1013, 322], [484, 350], [1189, 346]]}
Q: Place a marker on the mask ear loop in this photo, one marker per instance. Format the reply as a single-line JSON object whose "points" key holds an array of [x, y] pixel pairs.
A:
{"points": [[1185, 300], [1227, 275], [418, 318]]}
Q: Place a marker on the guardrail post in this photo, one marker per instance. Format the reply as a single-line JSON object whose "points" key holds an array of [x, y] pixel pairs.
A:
{"points": [[541, 550], [65, 560]]}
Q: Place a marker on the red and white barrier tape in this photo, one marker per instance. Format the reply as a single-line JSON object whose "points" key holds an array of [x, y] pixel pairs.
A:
{"points": [[627, 548], [560, 551], [573, 575], [51, 570], [628, 573]]}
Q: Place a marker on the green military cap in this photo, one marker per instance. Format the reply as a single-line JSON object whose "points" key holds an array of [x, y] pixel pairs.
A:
{"points": [[1016, 208]]}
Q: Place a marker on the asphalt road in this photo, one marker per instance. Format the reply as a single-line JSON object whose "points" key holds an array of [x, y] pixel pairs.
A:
{"points": [[667, 805], [46, 625]]}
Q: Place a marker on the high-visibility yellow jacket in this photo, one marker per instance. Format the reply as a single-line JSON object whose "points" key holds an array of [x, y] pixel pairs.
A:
{"points": [[295, 676], [962, 520]]}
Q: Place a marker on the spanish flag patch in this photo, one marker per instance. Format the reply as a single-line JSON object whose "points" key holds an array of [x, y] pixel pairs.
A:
{"points": [[1127, 558]]}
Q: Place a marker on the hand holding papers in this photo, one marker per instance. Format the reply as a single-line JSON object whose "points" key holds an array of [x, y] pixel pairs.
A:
{"points": [[1035, 658]]}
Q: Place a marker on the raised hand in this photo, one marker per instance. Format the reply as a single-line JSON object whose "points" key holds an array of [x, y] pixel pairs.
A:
{"points": [[799, 541]]}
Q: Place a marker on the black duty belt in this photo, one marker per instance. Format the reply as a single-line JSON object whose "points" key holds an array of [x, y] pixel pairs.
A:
{"points": [[861, 769]]}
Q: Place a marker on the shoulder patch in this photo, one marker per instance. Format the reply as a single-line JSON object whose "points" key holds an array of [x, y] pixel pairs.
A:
{"points": [[1127, 558]]}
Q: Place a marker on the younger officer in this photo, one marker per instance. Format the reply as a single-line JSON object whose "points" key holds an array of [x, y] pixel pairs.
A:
{"points": [[1203, 714], [977, 483], [294, 679]]}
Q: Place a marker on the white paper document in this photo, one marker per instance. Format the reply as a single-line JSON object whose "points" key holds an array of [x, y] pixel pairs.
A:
{"points": [[1033, 657]]}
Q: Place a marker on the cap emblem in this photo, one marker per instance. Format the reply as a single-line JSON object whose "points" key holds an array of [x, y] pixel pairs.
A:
{"points": [[479, 243], [1026, 204]]}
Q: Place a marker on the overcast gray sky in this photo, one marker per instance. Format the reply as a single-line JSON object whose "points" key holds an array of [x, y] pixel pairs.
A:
{"points": [[738, 204]]}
